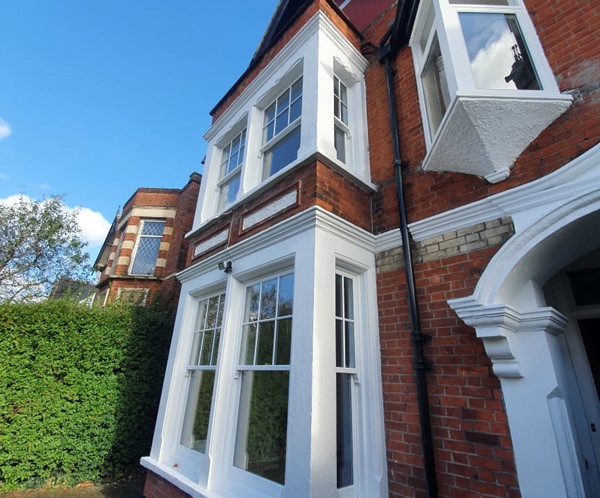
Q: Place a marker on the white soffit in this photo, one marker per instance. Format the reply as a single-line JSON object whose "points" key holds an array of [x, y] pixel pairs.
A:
{"points": [[483, 136]]}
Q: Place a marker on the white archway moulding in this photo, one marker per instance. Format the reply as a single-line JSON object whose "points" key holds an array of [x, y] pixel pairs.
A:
{"points": [[557, 220]]}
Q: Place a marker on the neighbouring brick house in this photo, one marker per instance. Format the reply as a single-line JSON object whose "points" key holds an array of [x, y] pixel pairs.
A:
{"points": [[146, 245], [392, 287]]}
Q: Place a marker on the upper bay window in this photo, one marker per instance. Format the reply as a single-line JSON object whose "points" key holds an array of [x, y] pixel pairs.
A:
{"points": [[485, 86], [310, 99]]}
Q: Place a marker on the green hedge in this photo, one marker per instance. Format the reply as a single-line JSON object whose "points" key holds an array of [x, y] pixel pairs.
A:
{"points": [[79, 390]]}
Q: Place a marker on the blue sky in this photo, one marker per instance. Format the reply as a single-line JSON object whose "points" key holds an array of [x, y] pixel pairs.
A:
{"points": [[100, 97]]}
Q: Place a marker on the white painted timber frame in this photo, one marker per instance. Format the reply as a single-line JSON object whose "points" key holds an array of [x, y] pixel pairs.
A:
{"points": [[483, 131], [316, 52], [314, 244]]}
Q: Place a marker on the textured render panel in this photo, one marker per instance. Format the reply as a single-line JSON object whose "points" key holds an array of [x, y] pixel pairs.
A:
{"points": [[211, 242], [270, 209], [484, 136]]}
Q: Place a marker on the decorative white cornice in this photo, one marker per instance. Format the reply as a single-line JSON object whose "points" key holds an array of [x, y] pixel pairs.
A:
{"points": [[311, 219], [524, 204], [497, 325]]}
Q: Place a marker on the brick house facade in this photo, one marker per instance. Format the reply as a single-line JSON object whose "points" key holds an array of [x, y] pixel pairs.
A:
{"points": [[146, 245], [391, 287]]}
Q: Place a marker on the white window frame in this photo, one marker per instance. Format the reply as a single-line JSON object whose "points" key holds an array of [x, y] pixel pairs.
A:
{"points": [[351, 490], [198, 365], [315, 53], [243, 367], [315, 245], [291, 125], [226, 176], [441, 18], [138, 242], [340, 118]]}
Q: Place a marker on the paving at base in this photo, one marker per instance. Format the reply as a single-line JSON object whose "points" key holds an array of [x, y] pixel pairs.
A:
{"points": [[128, 489]]}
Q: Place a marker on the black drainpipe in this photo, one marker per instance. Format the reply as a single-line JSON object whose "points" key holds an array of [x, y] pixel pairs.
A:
{"points": [[417, 337]]}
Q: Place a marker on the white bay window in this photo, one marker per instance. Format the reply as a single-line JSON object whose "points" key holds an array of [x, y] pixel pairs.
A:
{"points": [[309, 99], [485, 87], [273, 386]]}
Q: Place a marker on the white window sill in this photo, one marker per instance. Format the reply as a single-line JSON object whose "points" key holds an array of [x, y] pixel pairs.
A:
{"points": [[483, 135]]}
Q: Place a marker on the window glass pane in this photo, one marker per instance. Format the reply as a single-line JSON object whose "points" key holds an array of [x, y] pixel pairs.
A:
{"points": [[212, 312], [297, 90], [197, 414], [266, 339], [295, 110], [435, 87], [268, 299], [283, 101], [340, 143], [229, 191], [497, 52], [338, 292], [207, 343], [215, 350], [348, 299], [153, 227], [282, 153], [345, 456], [339, 343], [248, 344], [349, 345], [260, 445], [286, 295], [252, 301], [284, 342], [145, 257], [281, 122]]}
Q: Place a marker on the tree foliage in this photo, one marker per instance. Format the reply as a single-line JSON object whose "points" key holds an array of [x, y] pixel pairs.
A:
{"points": [[40, 244]]}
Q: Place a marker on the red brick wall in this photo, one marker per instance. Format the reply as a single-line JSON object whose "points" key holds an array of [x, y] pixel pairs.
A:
{"points": [[157, 487], [473, 449], [317, 184]]}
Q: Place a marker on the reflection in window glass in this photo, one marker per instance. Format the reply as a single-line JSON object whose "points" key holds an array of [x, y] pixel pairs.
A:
{"points": [[435, 86], [282, 153], [260, 444], [283, 114], [230, 173], [201, 367], [345, 372], [497, 52], [340, 112]]}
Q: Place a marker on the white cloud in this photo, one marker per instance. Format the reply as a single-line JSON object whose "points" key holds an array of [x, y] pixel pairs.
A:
{"points": [[94, 226], [13, 199], [5, 130]]}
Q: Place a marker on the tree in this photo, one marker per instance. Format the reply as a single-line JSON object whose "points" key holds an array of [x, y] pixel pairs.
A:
{"points": [[40, 244]]}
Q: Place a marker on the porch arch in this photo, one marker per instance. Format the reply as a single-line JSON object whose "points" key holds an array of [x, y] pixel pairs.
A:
{"points": [[522, 335]]}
